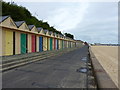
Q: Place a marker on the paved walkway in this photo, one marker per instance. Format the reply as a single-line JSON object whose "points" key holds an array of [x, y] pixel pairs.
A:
{"points": [[55, 72]]}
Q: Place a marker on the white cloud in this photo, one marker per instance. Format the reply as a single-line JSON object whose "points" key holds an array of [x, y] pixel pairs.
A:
{"points": [[65, 0], [92, 22], [67, 18]]}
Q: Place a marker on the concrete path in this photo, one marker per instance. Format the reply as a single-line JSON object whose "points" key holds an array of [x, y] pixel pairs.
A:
{"points": [[55, 72]]}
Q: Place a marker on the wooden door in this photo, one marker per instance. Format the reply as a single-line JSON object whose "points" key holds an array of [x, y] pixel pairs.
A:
{"points": [[40, 44], [9, 42], [23, 43], [33, 43]]}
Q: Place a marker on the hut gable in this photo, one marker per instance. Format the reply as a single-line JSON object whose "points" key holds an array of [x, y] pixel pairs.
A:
{"points": [[46, 32], [51, 33], [54, 34], [22, 25], [19, 23], [58, 35], [61, 36], [7, 22], [32, 28], [64, 37], [40, 30]]}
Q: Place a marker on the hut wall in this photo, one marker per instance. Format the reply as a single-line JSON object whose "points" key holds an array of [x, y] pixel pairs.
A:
{"points": [[44, 43], [37, 43], [29, 43], [17, 43]]}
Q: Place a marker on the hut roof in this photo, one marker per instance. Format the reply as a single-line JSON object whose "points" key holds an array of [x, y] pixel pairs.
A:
{"points": [[50, 32], [19, 23], [39, 28], [31, 26], [2, 18], [45, 31]]}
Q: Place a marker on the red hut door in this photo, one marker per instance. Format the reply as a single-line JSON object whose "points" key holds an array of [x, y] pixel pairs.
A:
{"points": [[33, 43]]}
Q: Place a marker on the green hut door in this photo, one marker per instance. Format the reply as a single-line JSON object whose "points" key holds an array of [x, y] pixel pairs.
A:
{"points": [[23, 43], [51, 43]]}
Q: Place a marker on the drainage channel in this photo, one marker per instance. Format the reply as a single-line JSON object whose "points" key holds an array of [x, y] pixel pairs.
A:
{"points": [[88, 70]]}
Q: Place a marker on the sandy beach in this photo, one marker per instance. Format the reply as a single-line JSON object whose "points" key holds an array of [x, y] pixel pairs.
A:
{"points": [[108, 58]]}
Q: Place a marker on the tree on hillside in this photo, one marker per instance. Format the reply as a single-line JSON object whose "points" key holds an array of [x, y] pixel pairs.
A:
{"points": [[20, 13], [69, 35]]}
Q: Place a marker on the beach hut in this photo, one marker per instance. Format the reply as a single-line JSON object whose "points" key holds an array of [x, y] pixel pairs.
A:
{"points": [[61, 44], [65, 44], [22, 25], [46, 32], [40, 43], [8, 40], [40, 30], [48, 43], [60, 41], [48, 39], [57, 44], [21, 38], [34, 38], [51, 34], [51, 40], [54, 44], [42, 40], [71, 44], [44, 43], [55, 41]]}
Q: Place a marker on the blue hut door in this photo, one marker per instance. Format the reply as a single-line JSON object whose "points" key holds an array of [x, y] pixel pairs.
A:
{"points": [[40, 44], [57, 44]]}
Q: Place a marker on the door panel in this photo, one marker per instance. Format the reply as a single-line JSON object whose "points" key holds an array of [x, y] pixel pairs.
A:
{"points": [[9, 42], [57, 44], [40, 44], [50, 43], [23, 43], [33, 43]]}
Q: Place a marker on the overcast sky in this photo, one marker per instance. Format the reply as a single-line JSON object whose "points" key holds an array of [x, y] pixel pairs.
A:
{"points": [[94, 22]]}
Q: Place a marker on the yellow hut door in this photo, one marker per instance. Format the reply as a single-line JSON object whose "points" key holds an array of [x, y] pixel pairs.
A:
{"points": [[9, 43]]}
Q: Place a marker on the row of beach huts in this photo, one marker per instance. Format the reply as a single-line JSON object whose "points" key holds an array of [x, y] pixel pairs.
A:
{"points": [[19, 38]]}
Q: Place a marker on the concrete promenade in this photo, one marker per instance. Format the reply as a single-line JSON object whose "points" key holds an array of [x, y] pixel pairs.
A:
{"points": [[55, 72]]}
